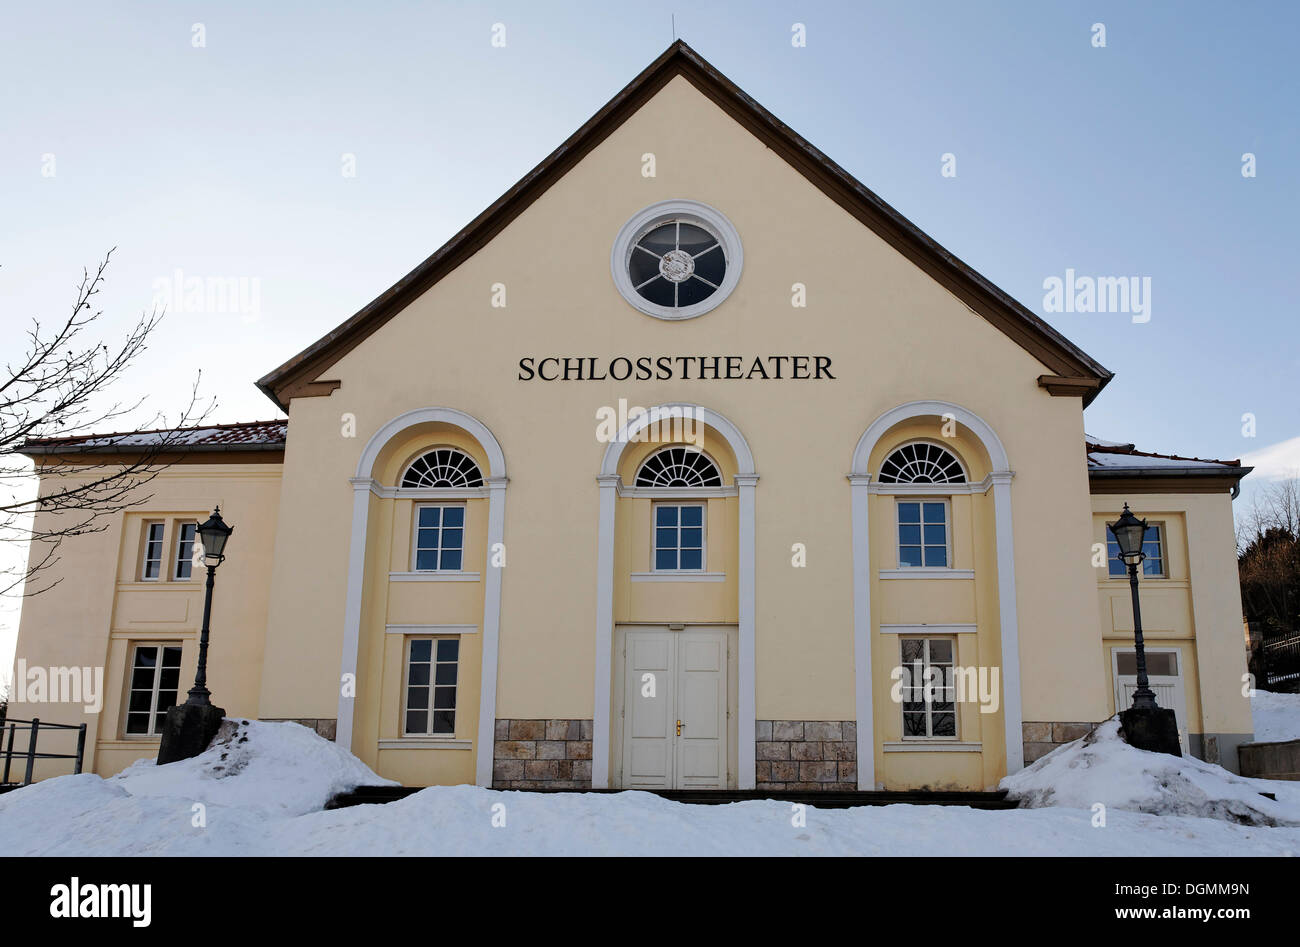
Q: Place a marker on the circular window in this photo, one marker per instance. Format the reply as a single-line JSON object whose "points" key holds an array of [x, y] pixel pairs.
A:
{"points": [[676, 259]]}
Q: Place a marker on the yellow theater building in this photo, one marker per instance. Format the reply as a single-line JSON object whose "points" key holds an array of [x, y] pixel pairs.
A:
{"points": [[669, 471]]}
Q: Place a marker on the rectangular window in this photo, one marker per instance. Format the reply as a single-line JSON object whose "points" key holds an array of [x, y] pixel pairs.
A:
{"points": [[1152, 545], [1159, 663], [439, 538], [431, 665], [679, 537], [922, 534], [151, 566], [155, 679], [184, 550], [929, 691]]}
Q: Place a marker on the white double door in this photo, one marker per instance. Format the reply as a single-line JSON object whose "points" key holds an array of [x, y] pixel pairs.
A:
{"points": [[1164, 675], [674, 721]]}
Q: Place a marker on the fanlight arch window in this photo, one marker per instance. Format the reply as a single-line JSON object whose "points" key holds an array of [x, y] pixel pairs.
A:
{"points": [[443, 467], [679, 467], [922, 462]]}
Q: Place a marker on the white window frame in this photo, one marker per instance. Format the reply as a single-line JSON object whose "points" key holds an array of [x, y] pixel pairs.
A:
{"points": [[428, 733], [178, 559], [929, 737], [704, 535], [1161, 538], [415, 536], [947, 532], [145, 559], [655, 215], [961, 464], [151, 733]]}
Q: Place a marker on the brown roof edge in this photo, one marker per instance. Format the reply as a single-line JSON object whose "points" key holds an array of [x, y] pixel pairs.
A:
{"points": [[298, 375]]}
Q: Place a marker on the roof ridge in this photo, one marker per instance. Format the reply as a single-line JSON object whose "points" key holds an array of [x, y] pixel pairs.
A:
{"points": [[1095, 448], [228, 425], [301, 374]]}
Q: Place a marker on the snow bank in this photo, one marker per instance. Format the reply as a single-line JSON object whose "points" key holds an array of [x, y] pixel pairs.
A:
{"points": [[283, 768], [261, 787], [218, 803], [1102, 768], [1277, 716]]}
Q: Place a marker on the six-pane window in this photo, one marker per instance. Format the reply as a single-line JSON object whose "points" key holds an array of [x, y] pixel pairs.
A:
{"points": [[185, 550], [923, 534], [1152, 546], [431, 665], [929, 711], [679, 537], [151, 568], [439, 538], [155, 678]]}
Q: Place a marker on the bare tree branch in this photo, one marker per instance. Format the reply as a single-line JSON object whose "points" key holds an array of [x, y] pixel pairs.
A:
{"points": [[60, 389]]}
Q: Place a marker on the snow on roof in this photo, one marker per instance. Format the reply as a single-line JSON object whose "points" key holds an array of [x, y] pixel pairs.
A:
{"points": [[246, 435], [1118, 457]]}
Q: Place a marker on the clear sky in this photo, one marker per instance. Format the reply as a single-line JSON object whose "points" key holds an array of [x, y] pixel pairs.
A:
{"points": [[225, 159]]}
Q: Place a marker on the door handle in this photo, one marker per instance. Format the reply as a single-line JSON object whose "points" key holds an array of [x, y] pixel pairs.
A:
{"points": [[679, 728]]}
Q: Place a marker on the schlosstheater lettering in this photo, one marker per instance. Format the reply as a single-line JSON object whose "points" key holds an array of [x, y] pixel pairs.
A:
{"points": [[676, 368]]}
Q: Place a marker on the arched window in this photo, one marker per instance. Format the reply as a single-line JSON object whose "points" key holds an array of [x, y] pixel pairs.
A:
{"points": [[443, 467], [678, 467], [920, 462]]}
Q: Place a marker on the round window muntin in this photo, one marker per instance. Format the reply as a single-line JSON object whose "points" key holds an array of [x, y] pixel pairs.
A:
{"points": [[697, 214]]}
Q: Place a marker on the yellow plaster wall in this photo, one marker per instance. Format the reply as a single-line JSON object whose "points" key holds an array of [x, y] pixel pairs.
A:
{"points": [[101, 607]]}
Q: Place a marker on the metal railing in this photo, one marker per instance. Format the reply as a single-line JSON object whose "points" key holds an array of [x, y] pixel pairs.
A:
{"points": [[1282, 660], [34, 728]]}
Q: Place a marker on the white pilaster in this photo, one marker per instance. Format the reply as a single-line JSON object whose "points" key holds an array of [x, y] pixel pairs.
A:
{"points": [[600, 736], [746, 665], [860, 524], [487, 702]]}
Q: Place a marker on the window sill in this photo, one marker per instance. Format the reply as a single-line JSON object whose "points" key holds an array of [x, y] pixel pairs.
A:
{"points": [[433, 576], [887, 628], [126, 743], [679, 576], [426, 743], [932, 746], [173, 585], [926, 573]]}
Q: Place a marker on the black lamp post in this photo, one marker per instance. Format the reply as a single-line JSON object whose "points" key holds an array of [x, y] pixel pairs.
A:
{"points": [[1146, 725], [1129, 532], [213, 535], [190, 727]]}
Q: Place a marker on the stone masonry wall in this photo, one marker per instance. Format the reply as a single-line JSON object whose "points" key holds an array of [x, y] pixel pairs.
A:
{"points": [[807, 754], [1042, 737], [326, 727], [542, 754]]}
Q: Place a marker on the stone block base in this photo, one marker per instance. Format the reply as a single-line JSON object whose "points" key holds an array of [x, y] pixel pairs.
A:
{"points": [[1042, 737], [541, 754], [1154, 729], [806, 755], [187, 731]]}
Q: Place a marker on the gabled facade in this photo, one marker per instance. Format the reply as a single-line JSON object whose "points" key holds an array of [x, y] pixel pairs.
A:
{"points": [[661, 480]]}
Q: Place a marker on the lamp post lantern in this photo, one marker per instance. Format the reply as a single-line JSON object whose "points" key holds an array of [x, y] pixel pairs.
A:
{"points": [[190, 726], [1129, 532], [213, 535], [1146, 725]]}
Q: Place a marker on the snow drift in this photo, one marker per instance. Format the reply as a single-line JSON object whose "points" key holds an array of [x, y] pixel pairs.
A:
{"points": [[283, 768], [259, 789], [1277, 716], [1102, 768]]}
